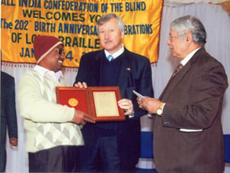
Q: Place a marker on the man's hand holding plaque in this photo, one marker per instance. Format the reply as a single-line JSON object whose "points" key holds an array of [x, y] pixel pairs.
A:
{"points": [[127, 105], [81, 85], [101, 103], [124, 104], [81, 118]]}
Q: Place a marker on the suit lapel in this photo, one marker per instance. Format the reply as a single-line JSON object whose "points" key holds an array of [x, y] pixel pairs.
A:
{"points": [[174, 82], [96, 68], [126, 69], [169, 89]]}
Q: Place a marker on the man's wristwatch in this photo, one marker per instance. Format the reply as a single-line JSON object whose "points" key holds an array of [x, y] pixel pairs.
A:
{"points": [[160, 109]]}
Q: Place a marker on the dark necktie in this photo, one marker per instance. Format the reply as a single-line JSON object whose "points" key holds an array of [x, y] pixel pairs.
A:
{"points": [[179, 67]]}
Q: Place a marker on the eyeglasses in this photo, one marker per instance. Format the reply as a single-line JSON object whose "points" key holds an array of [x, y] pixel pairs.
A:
{"points": [[60, 51], [180, 35], [171, 38]]}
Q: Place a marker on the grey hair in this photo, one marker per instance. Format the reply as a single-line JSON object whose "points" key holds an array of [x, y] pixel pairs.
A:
{"points": [[105, 18], [190, 24]]}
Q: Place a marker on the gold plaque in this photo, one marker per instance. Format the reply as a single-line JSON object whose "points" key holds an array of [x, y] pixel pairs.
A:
{"points": [[73, 102]]}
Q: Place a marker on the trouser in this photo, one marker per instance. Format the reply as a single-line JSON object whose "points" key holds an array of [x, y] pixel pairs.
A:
{"points": [[57, 159], [103, 157], [2, 158]]}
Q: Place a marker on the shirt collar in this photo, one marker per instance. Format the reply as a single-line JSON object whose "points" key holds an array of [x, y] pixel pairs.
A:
{"points": [[188, 57], [56, 76], [116, 54]]}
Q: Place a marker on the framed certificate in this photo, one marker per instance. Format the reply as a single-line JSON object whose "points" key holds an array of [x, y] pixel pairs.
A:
{"points": [[98, 102]]}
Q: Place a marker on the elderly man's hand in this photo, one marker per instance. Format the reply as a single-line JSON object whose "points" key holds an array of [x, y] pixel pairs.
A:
{"points": [[149, 104]]}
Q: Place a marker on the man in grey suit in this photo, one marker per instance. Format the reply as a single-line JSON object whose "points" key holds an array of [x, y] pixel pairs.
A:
{"points": [[8, 116], [188, 133]]}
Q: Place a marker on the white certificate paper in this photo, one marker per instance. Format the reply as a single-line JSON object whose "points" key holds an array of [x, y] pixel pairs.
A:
{"points": [[105, 104]]}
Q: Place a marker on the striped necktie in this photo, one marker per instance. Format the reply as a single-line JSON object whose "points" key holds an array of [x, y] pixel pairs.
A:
{"points": [[179, 67]]}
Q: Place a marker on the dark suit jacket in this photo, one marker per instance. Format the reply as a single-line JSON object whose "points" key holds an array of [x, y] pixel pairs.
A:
{"points": [[135, 74], [8, 113], [193, 101]]}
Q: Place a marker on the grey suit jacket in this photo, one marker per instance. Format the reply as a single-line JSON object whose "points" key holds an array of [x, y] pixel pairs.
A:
{"points": [[193, 101]]}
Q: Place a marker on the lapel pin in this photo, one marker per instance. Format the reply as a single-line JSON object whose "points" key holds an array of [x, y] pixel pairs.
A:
{"points": [[128, 69]]}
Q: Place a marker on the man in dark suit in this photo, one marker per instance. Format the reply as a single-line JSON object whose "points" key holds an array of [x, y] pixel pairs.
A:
{"points": [[8, 116], [114, 146], [188, 133]]}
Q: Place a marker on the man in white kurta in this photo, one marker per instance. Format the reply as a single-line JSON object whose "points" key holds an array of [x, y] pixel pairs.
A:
{"points": [[53, 130]]}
